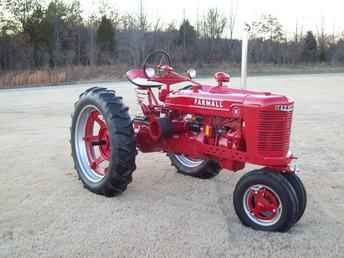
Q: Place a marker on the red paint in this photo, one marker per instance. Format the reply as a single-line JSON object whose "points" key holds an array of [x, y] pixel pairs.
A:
{"points": [[97, 142], [263, 204], [237, 126], [221, 78]]}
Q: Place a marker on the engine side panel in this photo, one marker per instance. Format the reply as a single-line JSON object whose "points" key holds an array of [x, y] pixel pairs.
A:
{"points": [[233, 127], [216, 103]]}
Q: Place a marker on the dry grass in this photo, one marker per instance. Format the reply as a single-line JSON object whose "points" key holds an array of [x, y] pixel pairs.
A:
{"points": [[19, 78], [270, 69], [14, 79]]}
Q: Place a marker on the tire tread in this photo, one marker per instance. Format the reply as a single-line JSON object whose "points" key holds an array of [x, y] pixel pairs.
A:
{"points": [[123, 141]]}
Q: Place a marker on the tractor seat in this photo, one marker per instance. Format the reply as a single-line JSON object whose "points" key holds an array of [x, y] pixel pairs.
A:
{"points": [[138, 78]]}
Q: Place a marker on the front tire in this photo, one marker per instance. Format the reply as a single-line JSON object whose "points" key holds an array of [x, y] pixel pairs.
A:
{"points": [[204, 169], [265, 200], [300, 191], [103, 142]]}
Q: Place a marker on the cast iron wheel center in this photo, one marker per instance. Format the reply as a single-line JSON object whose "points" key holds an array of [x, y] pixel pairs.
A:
{"points": [[262, 205], [97, 142], [104, 141]]}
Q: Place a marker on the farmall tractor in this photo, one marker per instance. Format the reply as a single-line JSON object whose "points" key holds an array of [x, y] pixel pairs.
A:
{"points": [[203, 129]]}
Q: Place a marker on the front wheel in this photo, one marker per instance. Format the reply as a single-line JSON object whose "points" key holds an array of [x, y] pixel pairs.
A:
{"points": [[204, 169], [103, 142], [265, 200], [300, 191]]}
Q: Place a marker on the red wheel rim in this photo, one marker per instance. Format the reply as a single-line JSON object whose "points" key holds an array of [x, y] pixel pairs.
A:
{"points": [[97, 142], [262, 204]]}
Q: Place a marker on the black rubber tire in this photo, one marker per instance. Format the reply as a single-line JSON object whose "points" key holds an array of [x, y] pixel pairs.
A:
{"points": [[207, 170], [301, 193], [282, 188], [122, 141]]}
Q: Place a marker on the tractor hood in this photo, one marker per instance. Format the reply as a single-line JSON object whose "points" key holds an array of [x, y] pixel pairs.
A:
{"points": [[209, 100]]}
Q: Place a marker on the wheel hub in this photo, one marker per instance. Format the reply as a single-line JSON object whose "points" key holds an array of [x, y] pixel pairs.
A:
{"points": [[104, 141], [262, 205], [97, 142]]}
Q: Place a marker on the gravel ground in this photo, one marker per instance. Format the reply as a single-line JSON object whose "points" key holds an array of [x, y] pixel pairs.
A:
{"points": [[44, 210]]}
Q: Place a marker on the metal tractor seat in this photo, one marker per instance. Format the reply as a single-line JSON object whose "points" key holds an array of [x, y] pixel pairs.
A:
{"points": [[138, 78]]}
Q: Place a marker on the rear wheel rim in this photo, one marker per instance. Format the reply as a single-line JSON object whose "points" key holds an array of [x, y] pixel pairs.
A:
{"points": [[92, 144], [189, 162], [262, 205]]}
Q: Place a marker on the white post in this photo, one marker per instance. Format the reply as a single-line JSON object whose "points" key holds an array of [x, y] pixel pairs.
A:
{"points": [[244, 47]]}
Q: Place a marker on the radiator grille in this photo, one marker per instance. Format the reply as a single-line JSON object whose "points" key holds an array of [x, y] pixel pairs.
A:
{"points": [[273, 133]]}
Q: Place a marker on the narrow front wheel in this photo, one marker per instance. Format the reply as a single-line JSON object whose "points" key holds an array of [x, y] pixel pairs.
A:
{"points": [[300, 191], [265, 200]]}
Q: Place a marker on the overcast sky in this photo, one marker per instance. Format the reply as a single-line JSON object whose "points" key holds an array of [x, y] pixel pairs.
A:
{"points": [[309, 13]]}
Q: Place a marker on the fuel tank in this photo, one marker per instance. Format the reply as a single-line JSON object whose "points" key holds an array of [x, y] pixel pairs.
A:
{"points": [[218, 101]]}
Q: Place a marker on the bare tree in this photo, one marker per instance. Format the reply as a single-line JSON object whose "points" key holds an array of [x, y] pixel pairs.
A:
{"points": [[157, 27], [213, 24], [92, 46], [296, 34], [323, 41], [232, 18], [267, 27]]}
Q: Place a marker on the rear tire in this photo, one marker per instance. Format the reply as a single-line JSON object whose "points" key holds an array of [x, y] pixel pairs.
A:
{"points": [[300, 191], [265, 200], [116, 146], [204, 169]]}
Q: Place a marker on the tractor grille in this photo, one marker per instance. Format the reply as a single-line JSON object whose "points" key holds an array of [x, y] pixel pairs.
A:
{"points": [[273, 133]]}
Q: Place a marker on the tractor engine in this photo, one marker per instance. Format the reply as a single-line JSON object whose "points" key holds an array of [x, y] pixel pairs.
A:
{"points": [[234, 127], [217, 131]]}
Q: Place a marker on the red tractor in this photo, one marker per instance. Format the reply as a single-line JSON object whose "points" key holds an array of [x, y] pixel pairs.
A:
{"points": [[203, 129]]}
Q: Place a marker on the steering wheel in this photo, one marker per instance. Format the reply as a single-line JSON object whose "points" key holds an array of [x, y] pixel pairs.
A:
{"points": [[156, 60]]}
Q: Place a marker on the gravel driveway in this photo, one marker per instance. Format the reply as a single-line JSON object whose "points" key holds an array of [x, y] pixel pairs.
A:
{"points": [[45, 211]]}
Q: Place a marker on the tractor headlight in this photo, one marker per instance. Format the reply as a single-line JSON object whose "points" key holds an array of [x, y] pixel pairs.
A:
{"points": [[150, 72], [192, 73]]}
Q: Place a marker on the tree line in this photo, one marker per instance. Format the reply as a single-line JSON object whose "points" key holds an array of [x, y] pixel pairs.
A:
{"points": [[55, 34]]}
